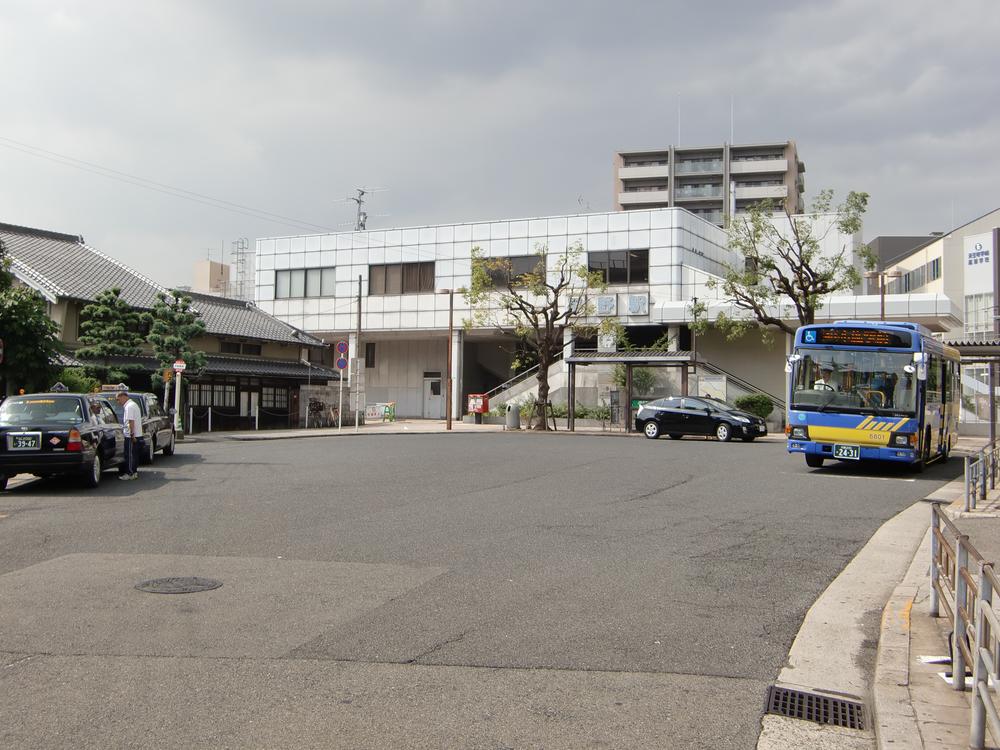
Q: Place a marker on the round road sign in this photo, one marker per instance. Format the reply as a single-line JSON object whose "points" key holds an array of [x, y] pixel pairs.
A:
{"points": [[180, 365], [341, 347], [341, 363]]}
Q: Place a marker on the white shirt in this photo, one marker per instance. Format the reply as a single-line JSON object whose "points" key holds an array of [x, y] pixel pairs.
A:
{"points": [[132, 413]]}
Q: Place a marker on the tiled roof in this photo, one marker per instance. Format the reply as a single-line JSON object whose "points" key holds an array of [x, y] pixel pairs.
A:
{"points": [[255, 367], [233, 317], [62, 265]]}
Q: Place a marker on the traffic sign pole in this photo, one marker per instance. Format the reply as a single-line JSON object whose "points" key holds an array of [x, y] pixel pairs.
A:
{"points": [[341, 361], [179, 367]]}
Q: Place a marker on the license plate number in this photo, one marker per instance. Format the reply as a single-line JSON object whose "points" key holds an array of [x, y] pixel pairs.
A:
{"points": [[30, 441], [850, 452], [761, 428]]}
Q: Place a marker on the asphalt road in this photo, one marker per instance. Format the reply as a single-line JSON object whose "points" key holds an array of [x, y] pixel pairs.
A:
{"points": [[424, 591]]}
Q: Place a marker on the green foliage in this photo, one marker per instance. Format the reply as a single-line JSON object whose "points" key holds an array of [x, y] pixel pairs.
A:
{"points": [[77, 380], [782, 273], [174, 325], [537, 305], [757, 404], [111, 327]]}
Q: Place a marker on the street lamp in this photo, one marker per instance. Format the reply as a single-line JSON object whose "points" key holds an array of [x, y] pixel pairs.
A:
{"points": [[882, 276], [451, 331]]}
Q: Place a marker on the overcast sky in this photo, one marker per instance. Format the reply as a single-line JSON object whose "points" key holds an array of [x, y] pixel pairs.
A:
{"points": [[469, 111]]}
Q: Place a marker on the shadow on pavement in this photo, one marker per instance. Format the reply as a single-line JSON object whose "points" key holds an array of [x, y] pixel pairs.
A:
{"points": [[150, 477]]}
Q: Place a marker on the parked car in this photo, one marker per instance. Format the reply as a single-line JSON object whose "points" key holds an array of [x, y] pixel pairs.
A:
{"points": [[686, 415], [157, 425], [59, 433]]}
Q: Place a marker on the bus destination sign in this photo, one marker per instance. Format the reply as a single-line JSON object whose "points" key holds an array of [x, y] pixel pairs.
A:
{"points": [[861, 337]]}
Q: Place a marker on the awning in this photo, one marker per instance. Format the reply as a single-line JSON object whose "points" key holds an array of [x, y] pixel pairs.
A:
{"points": [[217, 364], [639, 357]]}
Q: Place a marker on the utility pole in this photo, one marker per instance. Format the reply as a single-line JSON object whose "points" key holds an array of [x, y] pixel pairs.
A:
{"points": [[362, 216], [357, 360]]}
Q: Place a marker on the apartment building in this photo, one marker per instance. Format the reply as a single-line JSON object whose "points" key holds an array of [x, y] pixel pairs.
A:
{"points": [[711, 182]]}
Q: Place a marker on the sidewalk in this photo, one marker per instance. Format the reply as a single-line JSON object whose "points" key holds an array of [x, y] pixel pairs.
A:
{"points": [[914, 704]]}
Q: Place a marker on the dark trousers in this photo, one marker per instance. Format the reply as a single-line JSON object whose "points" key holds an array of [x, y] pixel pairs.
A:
{"points": [[131, 455]]}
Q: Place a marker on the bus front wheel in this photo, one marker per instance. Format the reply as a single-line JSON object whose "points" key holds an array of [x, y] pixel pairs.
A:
{"points": [[813, 461]]}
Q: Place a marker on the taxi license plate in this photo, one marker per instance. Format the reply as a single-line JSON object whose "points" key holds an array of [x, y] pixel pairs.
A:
{"points": [[24, 441], [850, 452], [761, 428]]}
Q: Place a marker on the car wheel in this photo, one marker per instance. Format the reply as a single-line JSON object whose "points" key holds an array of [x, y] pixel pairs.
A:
{"points": [[813, 461], [93, 476], [150, 451], [676, 436], [651, 430], [723, 432], [168, 449]]}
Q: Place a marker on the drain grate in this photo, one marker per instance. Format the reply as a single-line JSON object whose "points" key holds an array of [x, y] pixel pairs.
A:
{"points": [[817, 707], [190, 585]]}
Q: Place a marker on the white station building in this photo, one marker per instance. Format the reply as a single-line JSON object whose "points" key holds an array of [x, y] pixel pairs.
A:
{"points": [[656, 261]]}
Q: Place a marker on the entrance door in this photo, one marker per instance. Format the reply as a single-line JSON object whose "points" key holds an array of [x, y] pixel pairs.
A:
{"points": [[433, 399]]}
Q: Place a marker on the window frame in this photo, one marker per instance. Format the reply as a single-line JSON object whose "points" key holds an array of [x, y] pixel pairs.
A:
{"points": [[317, 279], [388, 279]]}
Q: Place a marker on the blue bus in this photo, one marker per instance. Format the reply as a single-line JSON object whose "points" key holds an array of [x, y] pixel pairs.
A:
{"points": [[862, 390]]}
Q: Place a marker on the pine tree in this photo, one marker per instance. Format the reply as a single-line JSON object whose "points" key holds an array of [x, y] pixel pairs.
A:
{"points": [[111, 328], [174, 325]]}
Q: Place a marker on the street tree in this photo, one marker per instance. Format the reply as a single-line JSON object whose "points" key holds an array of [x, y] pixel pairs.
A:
{"points": [[538, 298], [30, 337], [174, 325], [111, 328], [781, 270]]}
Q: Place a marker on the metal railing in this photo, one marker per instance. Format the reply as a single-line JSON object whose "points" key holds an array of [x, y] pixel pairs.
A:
{"points": [[744, 385], [967, 600], [981, 471], [520, 377]]}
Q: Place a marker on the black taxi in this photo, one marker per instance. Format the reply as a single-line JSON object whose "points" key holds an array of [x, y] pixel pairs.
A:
{"points": [[157, 424], [59, 433]]}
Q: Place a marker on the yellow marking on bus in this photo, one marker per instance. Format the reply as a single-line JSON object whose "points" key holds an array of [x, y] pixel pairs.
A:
{"points": [[848, 435], [865, 423]]}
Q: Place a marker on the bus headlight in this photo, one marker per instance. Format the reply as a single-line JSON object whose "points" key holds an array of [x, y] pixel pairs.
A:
{"points": [[800, 432], [904, 440]]}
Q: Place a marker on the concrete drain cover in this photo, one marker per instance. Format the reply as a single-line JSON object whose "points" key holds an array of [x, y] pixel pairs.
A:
{"points": [[189, 585], [814, 706]]}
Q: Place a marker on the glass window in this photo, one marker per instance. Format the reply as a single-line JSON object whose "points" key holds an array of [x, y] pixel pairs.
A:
{"points": [[862, 381], [598, 262], [230, 347], [252, 349], [394, 279], [376, 280], [369, 355], [282, 284], [298, 285], [638, 266], [224, 395], [328, 282], [411, 278], [427, 277], [313, 276], [618, 267]]}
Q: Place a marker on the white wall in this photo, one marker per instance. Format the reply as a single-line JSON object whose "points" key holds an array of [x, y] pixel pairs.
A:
{"points": [[399, 369]]}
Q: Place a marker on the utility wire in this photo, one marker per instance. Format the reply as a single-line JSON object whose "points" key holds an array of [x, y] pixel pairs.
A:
{"points": [[114, 174]]}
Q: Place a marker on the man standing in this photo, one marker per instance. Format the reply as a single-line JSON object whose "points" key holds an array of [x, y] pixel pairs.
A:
{"points": [[131, 421]]}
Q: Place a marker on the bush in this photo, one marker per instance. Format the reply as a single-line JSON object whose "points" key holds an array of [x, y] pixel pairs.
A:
{"points": [[77, 380], [757, 404]]}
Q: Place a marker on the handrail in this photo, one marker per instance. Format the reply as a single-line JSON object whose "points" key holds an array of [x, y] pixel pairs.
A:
{"points": [[520, 377], [746, 385], [981, 472]]}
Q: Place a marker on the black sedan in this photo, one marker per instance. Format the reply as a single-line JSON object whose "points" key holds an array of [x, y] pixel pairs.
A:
{"points": [[59, 433], [686, 415], [157, 425]]}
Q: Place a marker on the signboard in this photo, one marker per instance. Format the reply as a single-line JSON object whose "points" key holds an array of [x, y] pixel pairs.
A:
{"points": [[342, 349], [607, 304], [713, 386], [978, 263], [638, 304], [180, 365], [341, 363], [607, 342], [858, 337]]}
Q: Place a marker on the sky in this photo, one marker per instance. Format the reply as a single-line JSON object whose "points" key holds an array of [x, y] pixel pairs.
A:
{"points": [[245, 118]]}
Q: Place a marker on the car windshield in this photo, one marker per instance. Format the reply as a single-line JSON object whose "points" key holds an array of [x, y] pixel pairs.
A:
{"points": [[859, 381], [20, 410]]}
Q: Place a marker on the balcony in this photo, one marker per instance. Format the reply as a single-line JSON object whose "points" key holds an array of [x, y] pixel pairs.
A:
{"points": [[640, 173], [697, 193], [710, 166], [644, 197], [760, 192], [755, 166]]}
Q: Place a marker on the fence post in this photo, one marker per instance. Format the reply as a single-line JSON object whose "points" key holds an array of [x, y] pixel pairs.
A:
{"points": [[968, 484], [982, 477], [958, 630], [210, 419], [191, 419], [256, 419], [980, 674], [935, 552]]}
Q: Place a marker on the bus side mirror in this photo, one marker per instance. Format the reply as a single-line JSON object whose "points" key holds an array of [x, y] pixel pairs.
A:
{"points": [[920, 359]]}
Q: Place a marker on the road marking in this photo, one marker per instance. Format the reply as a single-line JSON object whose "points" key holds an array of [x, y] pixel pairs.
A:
{"points": [[849, 476]]}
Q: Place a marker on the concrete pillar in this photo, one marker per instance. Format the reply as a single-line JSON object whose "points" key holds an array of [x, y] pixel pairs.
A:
{"points": [[457, 346], [673, 338], [352, 352], [569, 338]]}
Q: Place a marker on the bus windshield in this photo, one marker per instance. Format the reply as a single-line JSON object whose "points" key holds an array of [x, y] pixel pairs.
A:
{"points": [[854, 381]]}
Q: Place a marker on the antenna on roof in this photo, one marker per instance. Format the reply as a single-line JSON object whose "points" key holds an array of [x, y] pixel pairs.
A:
{"points": [[361, 219]]}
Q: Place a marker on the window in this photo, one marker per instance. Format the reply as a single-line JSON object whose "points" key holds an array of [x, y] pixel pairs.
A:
{"points": [[401, 278], [515, 267], [272, 397], [224, 395], [305, 282], [235, 347], [369, 355], [252, 349], [230, 347], [621, 266]]}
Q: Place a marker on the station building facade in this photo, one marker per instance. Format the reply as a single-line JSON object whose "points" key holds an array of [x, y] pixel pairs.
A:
{"points": [[388, 285]]}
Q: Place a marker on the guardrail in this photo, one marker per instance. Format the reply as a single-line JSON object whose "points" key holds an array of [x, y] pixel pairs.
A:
{"points": [[981, 471], [968, 602]]}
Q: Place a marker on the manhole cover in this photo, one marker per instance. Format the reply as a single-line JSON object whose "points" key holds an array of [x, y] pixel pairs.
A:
{"points": [[814, 706], [189, 585]]}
